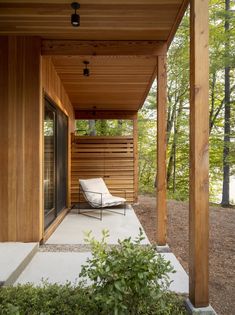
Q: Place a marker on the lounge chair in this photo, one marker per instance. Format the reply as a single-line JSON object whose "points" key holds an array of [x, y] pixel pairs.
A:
{"points": [[98, 196]]}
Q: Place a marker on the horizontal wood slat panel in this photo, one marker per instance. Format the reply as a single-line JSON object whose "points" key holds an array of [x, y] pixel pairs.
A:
{"points": [[111, 158]]}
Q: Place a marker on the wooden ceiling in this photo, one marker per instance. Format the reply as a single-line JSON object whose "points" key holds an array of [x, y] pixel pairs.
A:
{"points": [[117, 81], [100, 19]]}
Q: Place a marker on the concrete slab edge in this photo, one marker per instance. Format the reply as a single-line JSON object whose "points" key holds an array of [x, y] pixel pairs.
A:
{"points": [[199, 311], [163, 249], [16, 273]]}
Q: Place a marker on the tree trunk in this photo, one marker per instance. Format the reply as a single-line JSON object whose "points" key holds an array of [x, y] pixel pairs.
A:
{"points": [[120, 127], [226, 166], [92, 129], [172, 158]]}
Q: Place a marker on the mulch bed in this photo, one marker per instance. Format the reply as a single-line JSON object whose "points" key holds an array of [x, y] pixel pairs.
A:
{"points": [[222, 245]]}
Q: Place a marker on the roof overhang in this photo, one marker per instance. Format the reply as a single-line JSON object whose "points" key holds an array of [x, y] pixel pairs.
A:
{"points": [[121, 39]]}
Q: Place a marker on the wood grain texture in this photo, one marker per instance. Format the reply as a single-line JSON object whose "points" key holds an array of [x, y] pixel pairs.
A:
{"points": [[101, 48], [53, 87], [161, 151], [178, 19], [4, 129], [199, 160], [115, 82], [100, 20], [111, 158], [20, 185]]}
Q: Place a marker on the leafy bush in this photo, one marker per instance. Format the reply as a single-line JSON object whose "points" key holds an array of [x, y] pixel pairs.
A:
{"points": [[128, 279], [46, 300]]}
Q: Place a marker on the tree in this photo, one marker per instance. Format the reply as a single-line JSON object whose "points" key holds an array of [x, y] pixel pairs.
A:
{"points": [[92, 129], [227, 111]]}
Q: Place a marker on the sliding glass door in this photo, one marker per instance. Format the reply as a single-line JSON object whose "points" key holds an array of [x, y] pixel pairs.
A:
{"points": [[49, 164], [62, 161], [55, 162]]}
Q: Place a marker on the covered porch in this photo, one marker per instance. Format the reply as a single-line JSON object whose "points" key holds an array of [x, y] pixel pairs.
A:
{"points": [[42, 60], [68, 247]]}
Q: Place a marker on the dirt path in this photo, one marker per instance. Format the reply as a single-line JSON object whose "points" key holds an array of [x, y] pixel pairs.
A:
{"points": [[222, 246]]}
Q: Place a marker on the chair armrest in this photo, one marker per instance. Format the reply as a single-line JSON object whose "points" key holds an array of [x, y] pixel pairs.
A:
{"points": [[93, 192]]}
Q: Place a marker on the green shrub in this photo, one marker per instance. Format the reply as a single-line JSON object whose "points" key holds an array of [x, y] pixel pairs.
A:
{"points": [[128, 279], [46, 300]]}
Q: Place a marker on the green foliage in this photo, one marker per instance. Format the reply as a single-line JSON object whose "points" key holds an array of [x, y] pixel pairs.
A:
{"points": [[49, 299], [104, 127], [178, 110], [147, 153], [129, 278]]}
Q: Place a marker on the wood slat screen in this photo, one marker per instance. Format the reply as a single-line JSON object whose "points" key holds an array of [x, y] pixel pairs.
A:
{"points": [[111, 158]]}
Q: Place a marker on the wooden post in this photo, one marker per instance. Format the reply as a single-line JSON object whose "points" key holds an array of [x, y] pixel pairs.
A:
{"points": [[161, 151], [199, 166], [136, 160]]}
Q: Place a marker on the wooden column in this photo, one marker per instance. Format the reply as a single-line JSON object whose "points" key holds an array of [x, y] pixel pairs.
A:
{"points": [[136, 159], [199, 166], [20, 139], [161, 150]]}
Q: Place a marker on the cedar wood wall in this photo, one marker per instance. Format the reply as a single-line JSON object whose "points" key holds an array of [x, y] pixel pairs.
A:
{"points": [[24, 73]]}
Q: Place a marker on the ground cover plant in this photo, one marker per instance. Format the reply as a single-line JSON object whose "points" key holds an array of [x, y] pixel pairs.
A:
{"points": [[128, 279]]}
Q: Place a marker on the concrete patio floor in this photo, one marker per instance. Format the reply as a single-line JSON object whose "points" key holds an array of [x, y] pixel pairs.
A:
{"points": [[14, 257], [71, 230], [61, 263], [61, 267]]}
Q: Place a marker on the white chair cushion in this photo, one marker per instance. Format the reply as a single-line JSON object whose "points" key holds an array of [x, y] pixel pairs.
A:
{"points": [[110, 200], [93, 189]]}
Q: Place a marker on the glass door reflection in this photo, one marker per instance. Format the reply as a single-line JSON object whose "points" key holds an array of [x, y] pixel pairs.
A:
{"points": [[49, 164]]}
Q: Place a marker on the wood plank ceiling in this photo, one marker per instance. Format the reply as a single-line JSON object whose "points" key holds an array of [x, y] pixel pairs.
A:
{"points": [[120, 81], [115, 82]]}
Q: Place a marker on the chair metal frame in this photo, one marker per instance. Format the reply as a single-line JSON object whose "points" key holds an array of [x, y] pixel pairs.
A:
{"points": [[102, 208]]}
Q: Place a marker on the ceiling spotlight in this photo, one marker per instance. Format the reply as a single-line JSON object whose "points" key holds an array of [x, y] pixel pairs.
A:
{"points": [[75, 18], [86, 71]]}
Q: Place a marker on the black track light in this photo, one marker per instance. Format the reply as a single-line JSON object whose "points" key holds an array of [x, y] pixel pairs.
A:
{"points": [[75, 18], [86, 71]]}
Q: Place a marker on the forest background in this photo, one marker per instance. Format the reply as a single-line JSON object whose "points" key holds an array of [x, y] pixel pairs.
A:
{"points": [[221, 115]]}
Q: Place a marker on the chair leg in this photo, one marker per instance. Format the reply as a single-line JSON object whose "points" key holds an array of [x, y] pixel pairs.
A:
{"points": [[79, 201], [125, 206]]}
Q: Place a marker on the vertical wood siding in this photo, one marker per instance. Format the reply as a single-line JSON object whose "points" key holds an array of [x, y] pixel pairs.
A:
{"points": [[54, 88], [20, 142]]}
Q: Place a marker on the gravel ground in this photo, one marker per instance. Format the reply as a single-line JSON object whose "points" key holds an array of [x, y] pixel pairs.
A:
{"points": [[70, 247], [222, 249], [65, 248]]}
